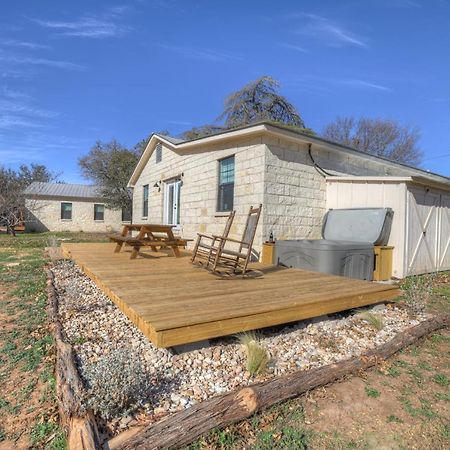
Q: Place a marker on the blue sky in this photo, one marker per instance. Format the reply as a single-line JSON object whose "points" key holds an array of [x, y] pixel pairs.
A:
{"points": [[72, 73]]}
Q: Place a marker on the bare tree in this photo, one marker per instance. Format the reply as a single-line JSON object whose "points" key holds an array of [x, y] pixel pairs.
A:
{"points": [[12, 197], [380, 137]]}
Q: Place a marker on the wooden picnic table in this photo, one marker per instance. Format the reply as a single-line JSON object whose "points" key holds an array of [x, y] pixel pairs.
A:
{"points": [[150, 235]]}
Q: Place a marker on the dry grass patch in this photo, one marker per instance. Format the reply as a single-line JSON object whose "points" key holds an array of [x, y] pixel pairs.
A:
{"points": [[257, 355]]}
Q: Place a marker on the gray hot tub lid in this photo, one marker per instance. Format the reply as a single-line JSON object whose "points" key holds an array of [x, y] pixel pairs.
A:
{"points": [[358, 225]]}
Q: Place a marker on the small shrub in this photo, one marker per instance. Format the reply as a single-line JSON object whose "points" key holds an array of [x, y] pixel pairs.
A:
{"points": [[257, 355], [52, 241], [418, 291], [372, 319], [117, 384]]}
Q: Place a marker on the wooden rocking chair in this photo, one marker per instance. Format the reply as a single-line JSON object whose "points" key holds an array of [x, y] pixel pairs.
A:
{"points": [[240, 257], [205, 245]]}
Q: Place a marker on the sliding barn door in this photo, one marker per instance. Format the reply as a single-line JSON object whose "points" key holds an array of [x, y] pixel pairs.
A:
{"points": [[422, 253]]}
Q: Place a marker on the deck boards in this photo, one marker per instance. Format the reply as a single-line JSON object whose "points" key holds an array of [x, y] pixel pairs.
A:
{"points": [[173, 302]]}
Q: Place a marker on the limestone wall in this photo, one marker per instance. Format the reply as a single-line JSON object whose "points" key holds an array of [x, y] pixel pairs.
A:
{"points": [[46, 216], [199, 173]]}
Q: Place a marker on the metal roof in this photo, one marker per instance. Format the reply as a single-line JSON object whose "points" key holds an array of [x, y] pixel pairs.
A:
{"points": [[171, 139], [38, 188]]}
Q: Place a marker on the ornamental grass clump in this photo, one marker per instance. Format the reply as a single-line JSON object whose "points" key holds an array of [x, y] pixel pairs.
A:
{"points": [[374, 320], [116, 385], [257, 355]]}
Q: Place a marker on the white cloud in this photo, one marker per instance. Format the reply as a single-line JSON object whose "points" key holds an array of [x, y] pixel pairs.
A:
{"points": [[294, 47], [17, 107], [23, 44], [29, 60], [205, 54], [365, 85], [9, 121], [17, 111], [329, 32], [13, 94], [35, 145], [100, 26]]}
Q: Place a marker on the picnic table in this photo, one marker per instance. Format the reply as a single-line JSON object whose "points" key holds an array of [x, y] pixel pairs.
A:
{"points": [[148, 235]]}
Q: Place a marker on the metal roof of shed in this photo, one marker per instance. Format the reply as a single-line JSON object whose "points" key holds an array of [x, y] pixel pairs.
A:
{"points": [[63, 190]]}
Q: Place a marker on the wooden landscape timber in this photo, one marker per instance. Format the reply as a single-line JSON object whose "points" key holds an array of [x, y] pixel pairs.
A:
{"points": [[184, 427], [173, 302], [80, 424]]}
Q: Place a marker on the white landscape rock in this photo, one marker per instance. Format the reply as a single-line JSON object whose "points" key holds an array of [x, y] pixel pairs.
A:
{"points": [[96, 327]]}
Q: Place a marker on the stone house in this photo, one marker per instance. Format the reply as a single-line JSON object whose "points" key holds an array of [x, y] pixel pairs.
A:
{"points": [[193, 184], [69, 207]]}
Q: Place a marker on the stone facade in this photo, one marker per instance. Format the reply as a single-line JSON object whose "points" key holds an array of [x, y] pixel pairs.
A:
{"points": [[199, 174], [44, 214], [275, 171]]}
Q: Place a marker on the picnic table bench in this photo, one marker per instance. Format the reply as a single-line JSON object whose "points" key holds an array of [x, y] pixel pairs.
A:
{"points": [[149, 235]]}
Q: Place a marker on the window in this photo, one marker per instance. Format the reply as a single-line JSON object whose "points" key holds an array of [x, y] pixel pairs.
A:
{"points": [[99, 212], [145, 201], [158, 152], [126, 214], [66, 211], [225, 193]]}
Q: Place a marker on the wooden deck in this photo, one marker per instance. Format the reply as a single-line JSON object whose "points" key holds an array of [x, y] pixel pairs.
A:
{"points": [[173, 302]]}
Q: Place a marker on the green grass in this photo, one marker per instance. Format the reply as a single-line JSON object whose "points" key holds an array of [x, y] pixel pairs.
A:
{"points": [[424, 366], [443, 396], [40, 240], [286, 438], [394, 371], [27, 342], [424, 410], [371, 392], [441, 379], [41, 431], [437, 338]]}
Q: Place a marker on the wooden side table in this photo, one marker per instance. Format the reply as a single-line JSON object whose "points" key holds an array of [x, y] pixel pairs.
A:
{"points": [[383, 262], [268, 253]]}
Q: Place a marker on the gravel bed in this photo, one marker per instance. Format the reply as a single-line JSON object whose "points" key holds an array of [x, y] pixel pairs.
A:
{"points": [[97, 328]]}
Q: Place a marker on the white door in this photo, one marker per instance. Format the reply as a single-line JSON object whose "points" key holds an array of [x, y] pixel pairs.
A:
{"points": [[172, 199], [444, 233], [423, 221]]}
